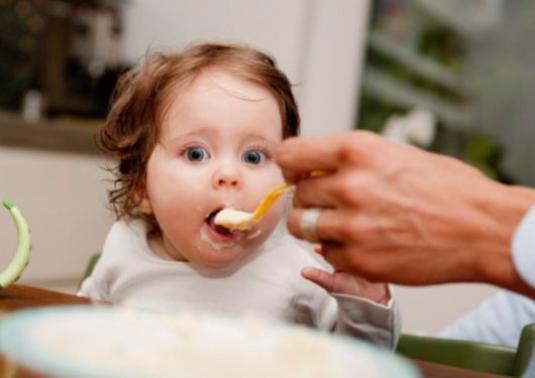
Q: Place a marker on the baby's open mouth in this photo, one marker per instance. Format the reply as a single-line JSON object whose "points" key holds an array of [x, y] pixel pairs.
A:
{"points": [[221, 230]]}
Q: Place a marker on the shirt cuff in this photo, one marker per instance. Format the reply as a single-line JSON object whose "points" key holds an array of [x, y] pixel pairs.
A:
{"points": [[356, 298], [369, 320], [523, 246]]}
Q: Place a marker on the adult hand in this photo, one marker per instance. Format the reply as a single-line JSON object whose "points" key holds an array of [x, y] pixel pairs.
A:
{"points": [[396, 213]]}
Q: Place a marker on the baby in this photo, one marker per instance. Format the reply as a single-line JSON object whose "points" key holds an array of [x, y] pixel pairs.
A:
{"points": [[193, 133]]}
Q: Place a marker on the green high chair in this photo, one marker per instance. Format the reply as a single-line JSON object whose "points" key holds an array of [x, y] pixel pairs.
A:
{"points": [[488, 358], [89, 268]]}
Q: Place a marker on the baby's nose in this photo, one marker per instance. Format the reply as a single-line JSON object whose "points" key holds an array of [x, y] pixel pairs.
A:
{"points": [[227, 177], [227, 181]]}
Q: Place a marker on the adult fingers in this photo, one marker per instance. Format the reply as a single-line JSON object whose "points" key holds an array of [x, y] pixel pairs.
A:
{"points": [[332, 225], [300, 156], [318, 191], [319, 277]]}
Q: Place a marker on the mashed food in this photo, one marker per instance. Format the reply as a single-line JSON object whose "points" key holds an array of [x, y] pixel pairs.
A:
{"points": [[131, 343], [234, 219]]}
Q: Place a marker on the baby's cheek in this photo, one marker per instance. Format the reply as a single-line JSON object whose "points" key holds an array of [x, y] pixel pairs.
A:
{"points": [[263, 181], [189, 194]]}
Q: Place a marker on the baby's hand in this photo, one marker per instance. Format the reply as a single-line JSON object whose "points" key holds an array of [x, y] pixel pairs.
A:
{"points": [[345, 283]]}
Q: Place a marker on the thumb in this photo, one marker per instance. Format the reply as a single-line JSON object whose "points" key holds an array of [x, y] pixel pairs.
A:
{"points": [[319, 277]]}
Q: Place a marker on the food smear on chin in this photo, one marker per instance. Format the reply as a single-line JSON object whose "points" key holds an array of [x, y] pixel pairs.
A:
{"points": [[217, 245], [254, 234]]}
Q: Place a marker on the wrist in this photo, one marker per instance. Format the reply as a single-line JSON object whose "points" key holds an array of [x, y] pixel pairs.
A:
{"points": [[385, 296], [507, 210], [378, 293], [523, 248]]}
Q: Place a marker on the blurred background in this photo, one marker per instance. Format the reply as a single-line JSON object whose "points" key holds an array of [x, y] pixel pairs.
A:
{"points": [[449, 76]]}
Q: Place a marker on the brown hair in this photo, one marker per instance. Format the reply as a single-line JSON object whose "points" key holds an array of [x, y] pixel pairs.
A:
{"points": [[141, 96]]}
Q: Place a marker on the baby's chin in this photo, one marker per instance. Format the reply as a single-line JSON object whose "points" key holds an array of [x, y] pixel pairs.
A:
{"points": [[222, 253], [219, 260]]}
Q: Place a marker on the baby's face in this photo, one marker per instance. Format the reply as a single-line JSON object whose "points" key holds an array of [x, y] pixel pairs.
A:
{"points": [[214, 152]]}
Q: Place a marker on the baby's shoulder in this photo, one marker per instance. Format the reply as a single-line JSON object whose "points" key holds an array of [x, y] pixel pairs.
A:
{"points": [[125, 232], [122, 243]]}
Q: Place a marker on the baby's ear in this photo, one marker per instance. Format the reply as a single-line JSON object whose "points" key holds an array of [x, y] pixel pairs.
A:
{"points": [[143, 201]]}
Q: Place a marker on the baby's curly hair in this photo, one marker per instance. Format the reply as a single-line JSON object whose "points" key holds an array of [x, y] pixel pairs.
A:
{"points": [[142, 95]]}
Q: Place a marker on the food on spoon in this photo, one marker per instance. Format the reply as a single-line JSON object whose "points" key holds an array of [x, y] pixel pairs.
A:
{"points": [[234, 219]]}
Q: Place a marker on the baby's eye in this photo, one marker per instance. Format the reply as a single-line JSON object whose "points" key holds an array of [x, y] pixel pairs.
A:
{"points": [[254, 157], [196, 154]]}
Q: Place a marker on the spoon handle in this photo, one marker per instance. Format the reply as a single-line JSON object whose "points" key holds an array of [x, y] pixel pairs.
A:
{"points": [[274, 194], [269, 199]]}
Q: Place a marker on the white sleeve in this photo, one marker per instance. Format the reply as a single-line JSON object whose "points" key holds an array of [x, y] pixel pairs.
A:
{"points": [[497, 320], [368, 320], [343, 314], [347, 315], [523, 246]]}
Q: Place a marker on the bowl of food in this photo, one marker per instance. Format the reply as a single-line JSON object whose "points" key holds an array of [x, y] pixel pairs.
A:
{"points": [[107, 341]]}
